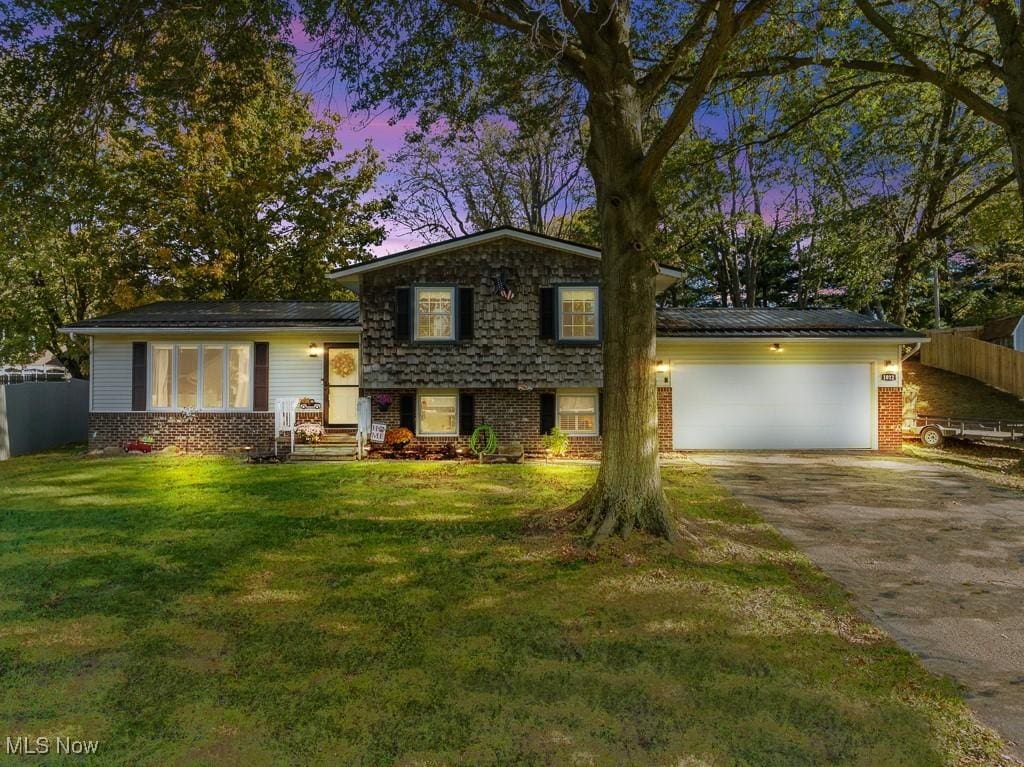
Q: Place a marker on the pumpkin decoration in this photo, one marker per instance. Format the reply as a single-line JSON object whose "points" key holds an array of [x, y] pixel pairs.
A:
{"points": [[343, 364]]}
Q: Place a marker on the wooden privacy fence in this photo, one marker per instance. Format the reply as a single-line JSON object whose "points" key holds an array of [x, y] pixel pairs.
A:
{"points": [[959, 353]]}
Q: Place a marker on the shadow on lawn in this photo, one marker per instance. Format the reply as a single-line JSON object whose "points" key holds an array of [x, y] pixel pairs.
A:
{"points": [[373, 614]]}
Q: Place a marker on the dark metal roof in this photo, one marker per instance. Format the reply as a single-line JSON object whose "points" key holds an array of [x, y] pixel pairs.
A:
{"points": [[228, 314], [784, 323]]}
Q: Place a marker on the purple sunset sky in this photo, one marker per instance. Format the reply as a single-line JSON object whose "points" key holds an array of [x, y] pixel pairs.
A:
{"points": [[357, 128], [387, 134]]}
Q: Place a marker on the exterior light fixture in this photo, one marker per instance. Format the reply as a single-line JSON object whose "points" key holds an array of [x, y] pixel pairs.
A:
{"points": [[314, 350], [775, 347], [661, 367], [891, 367]]}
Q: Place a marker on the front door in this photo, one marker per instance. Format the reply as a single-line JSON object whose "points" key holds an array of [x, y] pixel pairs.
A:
{"points": [[341, 384]]}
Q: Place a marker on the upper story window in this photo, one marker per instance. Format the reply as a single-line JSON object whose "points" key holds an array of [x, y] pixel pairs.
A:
{"points": [[434, 309], [200, 376], [577, 312]]}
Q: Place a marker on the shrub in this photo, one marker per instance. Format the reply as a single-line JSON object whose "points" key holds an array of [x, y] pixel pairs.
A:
{"points": [[398, 438], [556, 442]]}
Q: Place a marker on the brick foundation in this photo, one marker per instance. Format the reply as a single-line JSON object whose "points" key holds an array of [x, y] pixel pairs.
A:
{"points": [[514, 415], [890, 419], [205, 433]]}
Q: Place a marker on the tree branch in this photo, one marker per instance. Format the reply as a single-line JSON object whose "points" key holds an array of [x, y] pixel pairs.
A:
{"points": [[534, 25], [924, 72], [661, 73]]}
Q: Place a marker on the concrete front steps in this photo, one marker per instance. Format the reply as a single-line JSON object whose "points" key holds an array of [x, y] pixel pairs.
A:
{"points": [[333, 447]]}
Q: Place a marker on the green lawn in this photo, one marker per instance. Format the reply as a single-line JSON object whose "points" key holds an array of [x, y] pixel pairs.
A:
{"points": [[199, 611]]}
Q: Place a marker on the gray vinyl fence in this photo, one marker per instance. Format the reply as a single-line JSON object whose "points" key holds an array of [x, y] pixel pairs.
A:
{"points": [[40, 415]]}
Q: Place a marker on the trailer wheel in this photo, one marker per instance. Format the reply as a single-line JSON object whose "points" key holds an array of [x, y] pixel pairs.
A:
{"points": [[931, 436]]}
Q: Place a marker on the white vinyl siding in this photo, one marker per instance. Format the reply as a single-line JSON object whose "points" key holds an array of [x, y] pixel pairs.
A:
{"points": [[793, 350], [293, 373]]}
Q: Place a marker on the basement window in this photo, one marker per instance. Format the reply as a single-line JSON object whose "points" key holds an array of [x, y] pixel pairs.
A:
{"points": [[577, 413]]}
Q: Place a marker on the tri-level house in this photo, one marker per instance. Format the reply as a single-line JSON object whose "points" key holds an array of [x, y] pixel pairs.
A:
{"points": [[501, 327]]}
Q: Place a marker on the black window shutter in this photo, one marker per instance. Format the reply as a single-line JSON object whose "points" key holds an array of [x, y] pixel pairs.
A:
{"points": [[467, 414], [547, 412], [600, 412], [407, 412], [465, 313], [261, 376], [403, 314], [547, 312], [138, 375]]}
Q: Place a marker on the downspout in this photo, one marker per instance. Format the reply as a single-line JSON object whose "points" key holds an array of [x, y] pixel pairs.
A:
{"points": [[911, 353]]}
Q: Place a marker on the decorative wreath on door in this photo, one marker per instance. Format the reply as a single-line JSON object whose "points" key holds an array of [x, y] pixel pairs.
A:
{"points": [[344, 364]]}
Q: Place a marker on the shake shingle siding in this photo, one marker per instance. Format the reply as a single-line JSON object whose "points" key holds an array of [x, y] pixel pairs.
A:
{"points": [[506, 349]]}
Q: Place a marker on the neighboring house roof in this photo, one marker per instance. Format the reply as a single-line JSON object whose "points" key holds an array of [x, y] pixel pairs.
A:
{"points": [[775, 323], [349, 275], [228, 315], [1003, 327]]}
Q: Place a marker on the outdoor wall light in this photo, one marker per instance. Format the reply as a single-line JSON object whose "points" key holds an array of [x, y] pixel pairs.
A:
{"points": [[661, 367], [314, 350], [891, 367], [775, 348]]}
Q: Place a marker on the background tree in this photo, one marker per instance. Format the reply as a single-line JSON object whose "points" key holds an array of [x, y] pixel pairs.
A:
{"points": [[971, 51], [201, 174], [256, 204], [495, 173]]}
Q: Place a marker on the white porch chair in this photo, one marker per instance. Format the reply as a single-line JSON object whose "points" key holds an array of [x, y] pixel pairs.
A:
{"points": [[284, 420], [362, 425]]}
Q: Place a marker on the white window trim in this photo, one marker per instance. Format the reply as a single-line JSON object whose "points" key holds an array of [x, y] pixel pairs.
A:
{"points": [[578, 393], [436, 393], [201, 345], [416, 313], [597, 312]]}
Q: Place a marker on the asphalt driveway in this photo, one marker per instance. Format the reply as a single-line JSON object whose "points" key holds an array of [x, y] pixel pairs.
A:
{"points": [[933, 556]]}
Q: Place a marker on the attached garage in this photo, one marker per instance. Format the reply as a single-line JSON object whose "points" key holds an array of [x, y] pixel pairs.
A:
{"points": [[772, 407], [779, 379]]}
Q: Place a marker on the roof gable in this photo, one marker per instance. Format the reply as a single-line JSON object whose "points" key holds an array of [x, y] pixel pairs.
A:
{"points": [[349, 275]]}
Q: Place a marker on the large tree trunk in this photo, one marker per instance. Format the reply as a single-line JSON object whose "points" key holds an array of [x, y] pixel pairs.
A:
{"points": [[627, 494]]}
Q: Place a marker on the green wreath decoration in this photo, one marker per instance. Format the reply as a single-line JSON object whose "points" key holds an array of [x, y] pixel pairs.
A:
{"points": [[483, 441]]}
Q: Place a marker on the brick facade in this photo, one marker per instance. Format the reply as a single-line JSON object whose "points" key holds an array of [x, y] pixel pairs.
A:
{"points": [[506, 350], [204, 433], [664, 419], [890, 419], [514, 415]]}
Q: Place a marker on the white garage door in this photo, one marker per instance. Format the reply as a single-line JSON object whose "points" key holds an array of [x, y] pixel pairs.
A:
{"points": [[771, 407]]}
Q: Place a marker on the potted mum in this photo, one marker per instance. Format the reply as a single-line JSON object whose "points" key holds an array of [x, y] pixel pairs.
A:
{"points": [[309, 433]]}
